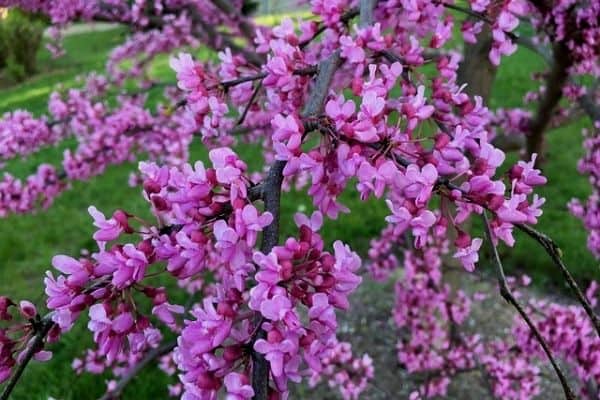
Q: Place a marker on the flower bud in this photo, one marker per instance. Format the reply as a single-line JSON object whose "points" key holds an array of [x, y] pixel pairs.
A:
{"points": [[27, 309]]}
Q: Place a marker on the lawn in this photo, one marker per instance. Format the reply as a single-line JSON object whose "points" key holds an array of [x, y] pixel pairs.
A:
{"points": [[27, 243]]}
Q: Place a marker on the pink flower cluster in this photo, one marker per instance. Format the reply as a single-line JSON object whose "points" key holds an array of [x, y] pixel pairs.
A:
{"points": [[106, 137], [21, 135], [343, 371], [204, 97], [18, 337], [570, 335], [291, 280], [589, 212]]}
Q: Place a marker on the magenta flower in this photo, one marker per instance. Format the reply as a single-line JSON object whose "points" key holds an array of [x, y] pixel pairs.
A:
{"points": [[416, 108], [78, 272], [417, 183], [276, 349], [250, 222], [314, 223], [238, 387], [420, 227], [28, 309], [267, 276], [347, 263], [279, 308], [351, 51], [227, 241], [340, 111], [166, 313], [110, 229], [131, 266], [287, 136], [322, 311], [189, 72], [469, 255]]}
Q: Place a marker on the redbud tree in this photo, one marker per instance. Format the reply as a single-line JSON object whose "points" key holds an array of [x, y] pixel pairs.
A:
{"points": [[362, 95]]}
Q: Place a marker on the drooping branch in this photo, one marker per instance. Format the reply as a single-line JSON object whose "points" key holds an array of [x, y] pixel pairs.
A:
{"points": [[507, 295], [135, 370], [556, 255]]}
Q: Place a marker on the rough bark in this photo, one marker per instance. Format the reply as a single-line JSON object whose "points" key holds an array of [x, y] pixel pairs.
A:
{"points": [[475, 69]]}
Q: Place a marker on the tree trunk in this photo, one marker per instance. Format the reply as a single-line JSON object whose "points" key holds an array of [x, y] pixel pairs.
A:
{"points": [[475, 69], [554, 85]]}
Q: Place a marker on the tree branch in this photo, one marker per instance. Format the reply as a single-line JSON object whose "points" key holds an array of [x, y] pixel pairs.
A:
{"points": [[554, 88], [135, 370], [556, 255], [346, 17], [41, 331], [246, 28], [506, 293], [272, 193], [547, 243]]}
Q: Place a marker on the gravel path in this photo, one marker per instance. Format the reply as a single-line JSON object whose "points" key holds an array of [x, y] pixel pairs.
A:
{"points": [[370, 328]]}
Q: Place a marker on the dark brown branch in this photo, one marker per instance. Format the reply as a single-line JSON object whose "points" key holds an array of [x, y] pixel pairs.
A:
{"points": [[556, 255], [271, 195], [250, 102], [554, 89], [246, 28], [135, 370], [311, 70], [42, 327], [506, 293]]}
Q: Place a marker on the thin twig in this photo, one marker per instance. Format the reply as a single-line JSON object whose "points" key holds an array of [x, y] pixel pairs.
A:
{"points": [[41, 331], [506, 293], [250, 102], [556, 255], [345, 18]]}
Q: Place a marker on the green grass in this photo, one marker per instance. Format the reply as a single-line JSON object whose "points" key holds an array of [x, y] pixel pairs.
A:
{"points": [[27, 243]]}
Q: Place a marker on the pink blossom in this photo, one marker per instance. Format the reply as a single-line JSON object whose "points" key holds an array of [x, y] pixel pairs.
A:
{"points": [[238, 387], [469, 255]]}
